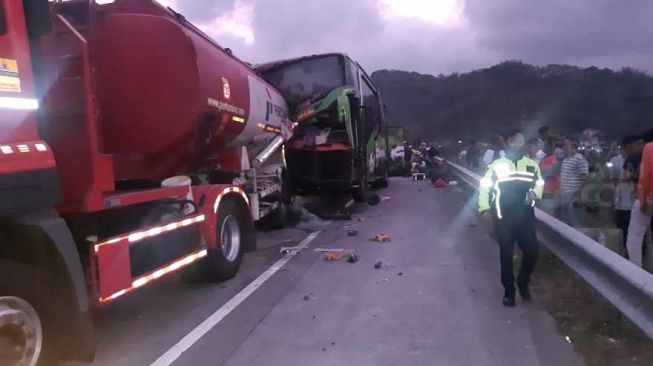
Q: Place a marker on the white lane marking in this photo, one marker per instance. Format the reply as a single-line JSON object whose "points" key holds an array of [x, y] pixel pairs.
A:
{"points": [[191, 338]]}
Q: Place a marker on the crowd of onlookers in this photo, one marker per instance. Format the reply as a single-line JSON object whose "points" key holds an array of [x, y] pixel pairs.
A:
{"points": [[576, 188]]}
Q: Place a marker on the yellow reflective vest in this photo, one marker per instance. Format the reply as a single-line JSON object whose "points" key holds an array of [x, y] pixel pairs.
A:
{"points": [[508, 186]]}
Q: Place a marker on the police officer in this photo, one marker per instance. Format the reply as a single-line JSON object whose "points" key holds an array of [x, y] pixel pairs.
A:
{"points": [[508, 192]]}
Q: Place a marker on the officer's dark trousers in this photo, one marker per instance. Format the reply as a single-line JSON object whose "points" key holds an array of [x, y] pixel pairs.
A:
{"points": [[517, 228]]}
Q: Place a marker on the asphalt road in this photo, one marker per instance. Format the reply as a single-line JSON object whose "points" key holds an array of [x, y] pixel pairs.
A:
{"points": [[436, 300]]}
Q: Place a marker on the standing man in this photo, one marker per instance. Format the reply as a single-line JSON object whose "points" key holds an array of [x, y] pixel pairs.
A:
{"points": [[573, 174], [631, 145], [640, 217], [508, 192]]}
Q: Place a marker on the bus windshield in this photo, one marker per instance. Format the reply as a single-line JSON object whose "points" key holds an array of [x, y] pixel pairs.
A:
{"points": [[307, 79]]}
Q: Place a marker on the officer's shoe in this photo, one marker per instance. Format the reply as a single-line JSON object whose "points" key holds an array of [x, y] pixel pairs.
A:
{"points": [[509, 301], [524, 292]]}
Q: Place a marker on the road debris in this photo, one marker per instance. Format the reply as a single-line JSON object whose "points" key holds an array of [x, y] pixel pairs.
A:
{"points": [[286, 250], [323, 250], [385, 198], [308, 220], [381, 238], [400, 274], [453, 183], [440, 183], [378, 265], [352, 232], [352, 258], [358, 218], [306, 298], [334, 256]]}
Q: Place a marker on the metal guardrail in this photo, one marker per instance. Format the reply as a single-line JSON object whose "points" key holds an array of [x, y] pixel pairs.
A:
{"points": [[625, 285]]}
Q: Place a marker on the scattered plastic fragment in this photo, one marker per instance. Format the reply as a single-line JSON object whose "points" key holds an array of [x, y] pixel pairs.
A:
{"points": [[400, 274], [381, 238], [439, 183], [378, 264], [334, 256], [352, 258], [453, 183], [297, 248], [385, 198], [352, 232], [568, 339]]}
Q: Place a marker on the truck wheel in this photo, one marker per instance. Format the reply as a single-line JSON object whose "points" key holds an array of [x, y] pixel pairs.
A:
{"points": [[26, 316], [232, 232]]}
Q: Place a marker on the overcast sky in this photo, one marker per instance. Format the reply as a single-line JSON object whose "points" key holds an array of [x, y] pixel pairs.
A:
{"points": [[433, 36]]}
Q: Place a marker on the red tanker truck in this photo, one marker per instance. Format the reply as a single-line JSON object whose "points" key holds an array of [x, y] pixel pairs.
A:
{"points": [[131, 146]]}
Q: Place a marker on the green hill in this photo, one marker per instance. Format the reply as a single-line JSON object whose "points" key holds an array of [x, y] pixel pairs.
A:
{"points": [[514, 94]]}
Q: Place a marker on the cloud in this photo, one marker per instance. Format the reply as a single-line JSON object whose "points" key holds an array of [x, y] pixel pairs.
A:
{"points": [[580, 31], [433, 36], [204, 11], [236, 22]]}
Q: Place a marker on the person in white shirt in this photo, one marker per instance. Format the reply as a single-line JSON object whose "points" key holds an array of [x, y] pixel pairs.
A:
{"points": [[496, 151], [573, 174]]}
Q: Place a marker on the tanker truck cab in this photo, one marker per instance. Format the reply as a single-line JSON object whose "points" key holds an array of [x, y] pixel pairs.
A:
{"points": [[340, 143], [112, 178]]}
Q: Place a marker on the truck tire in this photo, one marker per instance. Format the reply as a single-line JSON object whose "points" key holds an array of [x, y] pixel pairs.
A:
{"points": [[28, 332], [232, 227]]}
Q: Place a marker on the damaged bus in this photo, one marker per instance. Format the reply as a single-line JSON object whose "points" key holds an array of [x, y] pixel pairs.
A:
{"points": [[340, 143]]}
